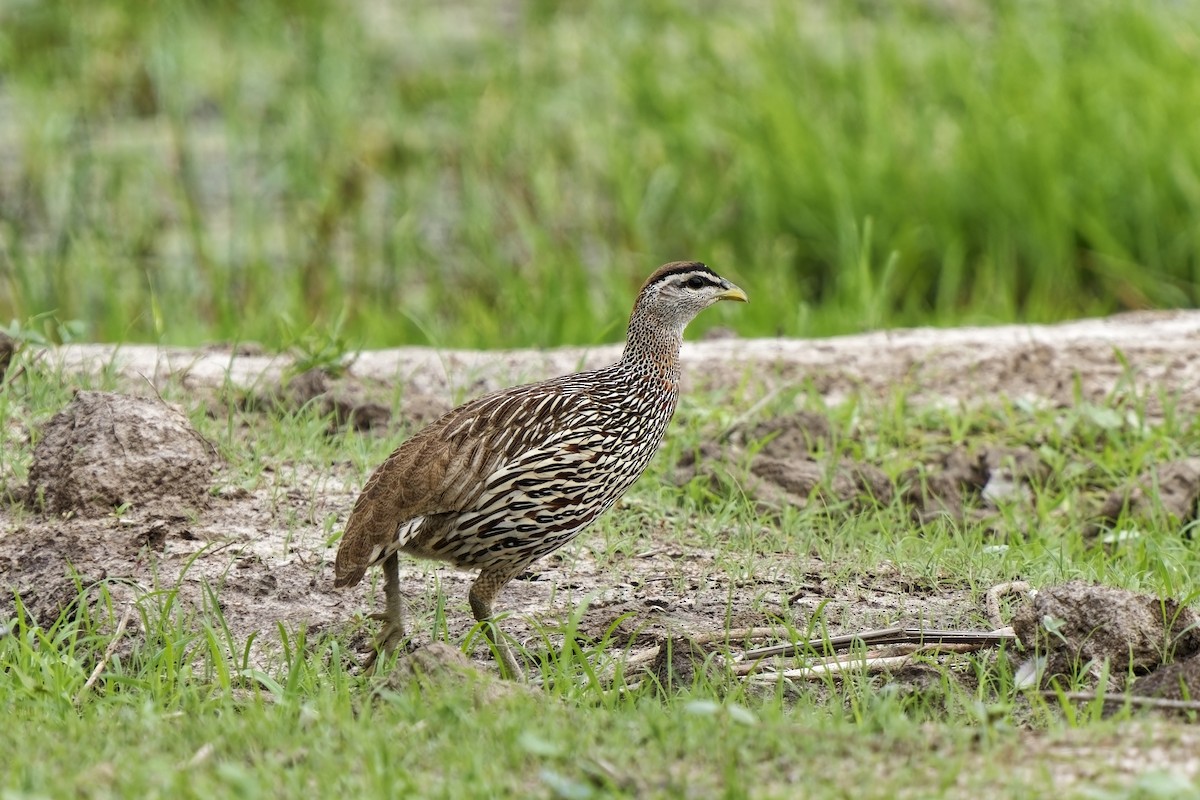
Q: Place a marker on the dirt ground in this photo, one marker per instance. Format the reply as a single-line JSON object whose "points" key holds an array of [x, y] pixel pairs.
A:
{"points": [[266, 572]]}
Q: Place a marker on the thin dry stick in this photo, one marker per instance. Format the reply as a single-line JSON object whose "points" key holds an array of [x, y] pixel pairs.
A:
{"points": [[108, 651], [1131, 699], [871, 662], [642, 657], [822, 670], [711, 637], [992, 600], [740, 635], [897, 635]]}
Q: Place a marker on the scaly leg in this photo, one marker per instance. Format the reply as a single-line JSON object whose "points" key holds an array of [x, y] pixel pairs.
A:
{"points": [[392, 616], [483, 592]]}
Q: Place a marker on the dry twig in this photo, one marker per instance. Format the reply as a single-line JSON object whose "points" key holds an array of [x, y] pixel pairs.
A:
{"points": [[870, 662], [108, 651], [1126, 699], [882, 636], [992, 600], [712, 637], [740, 634]]}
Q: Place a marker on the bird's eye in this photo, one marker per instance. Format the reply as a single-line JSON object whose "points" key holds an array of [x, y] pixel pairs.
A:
{"points": [[695, 283]]}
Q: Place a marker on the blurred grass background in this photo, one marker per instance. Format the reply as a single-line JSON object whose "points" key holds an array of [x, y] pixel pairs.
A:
{"points": [[506, 174]]}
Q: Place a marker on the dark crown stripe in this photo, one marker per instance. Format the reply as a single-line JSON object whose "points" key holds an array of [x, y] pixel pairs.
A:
{"points": [[680, 268]]}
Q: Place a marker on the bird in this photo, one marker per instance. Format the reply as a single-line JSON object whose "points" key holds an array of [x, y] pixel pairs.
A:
{"points": [[503, 480]]}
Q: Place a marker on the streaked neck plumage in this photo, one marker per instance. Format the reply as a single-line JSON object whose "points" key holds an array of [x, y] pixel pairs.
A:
{"points": [[652, 345]]}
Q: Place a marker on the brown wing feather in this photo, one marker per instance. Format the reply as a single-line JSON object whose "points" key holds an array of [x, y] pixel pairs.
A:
{"points": [[399, 490], [445, 466]]}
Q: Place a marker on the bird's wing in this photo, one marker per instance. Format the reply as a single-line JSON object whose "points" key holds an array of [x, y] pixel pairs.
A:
{"points": [[445, 467]]}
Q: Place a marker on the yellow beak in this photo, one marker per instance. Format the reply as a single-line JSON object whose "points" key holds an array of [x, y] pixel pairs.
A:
{"points": [[734, 293]]}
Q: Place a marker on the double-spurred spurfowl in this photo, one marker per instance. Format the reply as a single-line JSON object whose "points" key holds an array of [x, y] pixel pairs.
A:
{"points": [[501, 481]]}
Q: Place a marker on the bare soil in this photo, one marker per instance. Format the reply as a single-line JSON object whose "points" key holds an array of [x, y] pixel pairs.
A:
{"points": [[124, 492]]}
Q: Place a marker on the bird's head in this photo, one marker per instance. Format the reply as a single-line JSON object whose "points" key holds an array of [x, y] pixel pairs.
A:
{"points": [[678, 291]]}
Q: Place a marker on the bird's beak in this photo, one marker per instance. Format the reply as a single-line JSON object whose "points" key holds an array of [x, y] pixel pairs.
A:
{"points": [[733, 293]]}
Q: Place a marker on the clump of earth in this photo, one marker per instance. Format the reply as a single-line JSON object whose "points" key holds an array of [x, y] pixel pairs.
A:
{"points": [[108, 451], [1102, 633]]}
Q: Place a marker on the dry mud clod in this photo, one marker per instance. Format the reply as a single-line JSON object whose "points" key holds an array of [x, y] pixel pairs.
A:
{"points": [[343, 400], [783, 470], [439, 664], [1171, 489], [973, 483], [677, 663], [1078, 627], [8, 348], [108, 451], [350, 402], [1177, 681]]}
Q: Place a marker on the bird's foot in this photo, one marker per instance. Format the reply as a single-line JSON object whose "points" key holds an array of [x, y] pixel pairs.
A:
{"points": [[389, 638], [510, 667], [512, 670]]}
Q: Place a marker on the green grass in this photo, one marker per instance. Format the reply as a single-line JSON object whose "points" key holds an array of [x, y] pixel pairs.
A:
{"points": [[319, 735], [505, 176], [159, 725], [180, 712]]}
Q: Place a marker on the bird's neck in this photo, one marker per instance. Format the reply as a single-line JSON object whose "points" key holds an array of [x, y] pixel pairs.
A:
{"points": [[653, 350]]}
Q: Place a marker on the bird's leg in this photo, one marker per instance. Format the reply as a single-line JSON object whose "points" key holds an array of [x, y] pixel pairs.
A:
{"points": [[483, 592], [392, 615]]}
